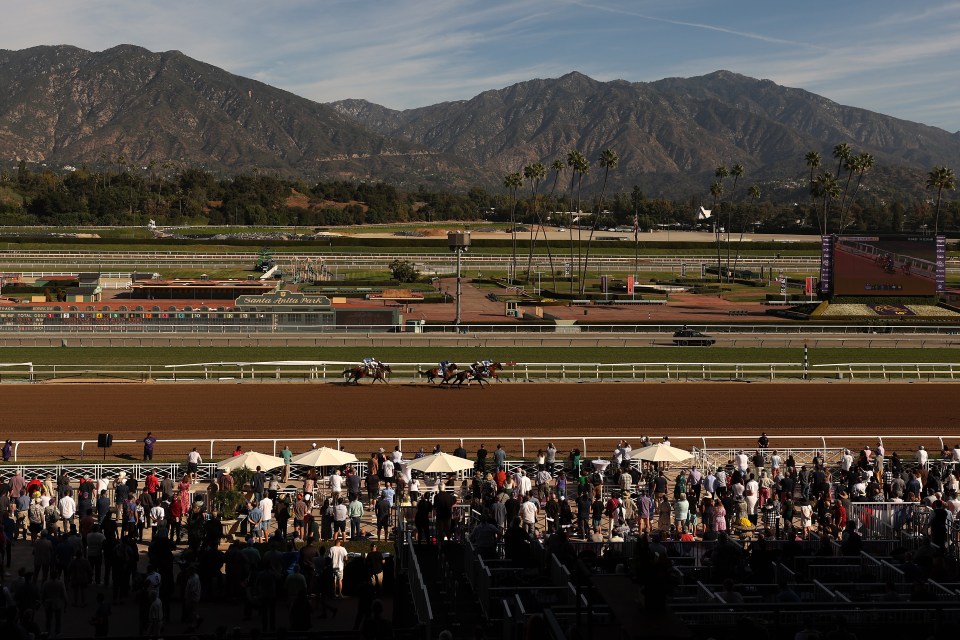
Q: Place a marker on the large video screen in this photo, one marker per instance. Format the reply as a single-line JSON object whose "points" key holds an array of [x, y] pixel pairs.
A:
{"points": [[888, 266]]}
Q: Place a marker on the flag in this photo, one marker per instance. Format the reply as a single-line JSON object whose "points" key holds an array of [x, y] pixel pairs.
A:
{"points": [[636, 226]]}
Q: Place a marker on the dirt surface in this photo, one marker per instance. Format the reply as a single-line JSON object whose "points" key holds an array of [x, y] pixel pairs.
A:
{"points": [[684, 308], [798, 414]]}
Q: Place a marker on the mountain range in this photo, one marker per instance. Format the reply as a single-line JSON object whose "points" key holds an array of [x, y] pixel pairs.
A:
{"points": [[64, 105]]}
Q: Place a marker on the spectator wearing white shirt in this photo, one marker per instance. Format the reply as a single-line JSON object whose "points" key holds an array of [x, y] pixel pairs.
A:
{"points": [[388, 471], [397, 455], [68, 509], [156, 517], [266, 506], [335, 483], [524, 485], [846, 460], [528, 514], [193, 463], [922, 456]]}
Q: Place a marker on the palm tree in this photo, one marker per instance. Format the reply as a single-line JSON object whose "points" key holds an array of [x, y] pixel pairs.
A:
{"points": [[716, 190], [841, 152], [737, 173], [852, 165], [941, 178], [558, 166], [580, 166], [512, 182], [825, 186], [813, 161], [534, 173], [608, 160], [754, 193], [864, 162]]}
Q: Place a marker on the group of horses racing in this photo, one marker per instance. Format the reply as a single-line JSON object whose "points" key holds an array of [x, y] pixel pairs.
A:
{"points": [[449, 373]]}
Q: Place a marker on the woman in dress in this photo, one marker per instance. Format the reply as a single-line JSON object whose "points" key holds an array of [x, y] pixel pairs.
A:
{"points": [[681, 512], [752, 497], [184, 487], [664, 511], [719, 517], [806, 517]]}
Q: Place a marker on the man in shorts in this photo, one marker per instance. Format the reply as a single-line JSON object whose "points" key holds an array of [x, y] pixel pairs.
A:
{"points": [[193, 463], [338, 558]]}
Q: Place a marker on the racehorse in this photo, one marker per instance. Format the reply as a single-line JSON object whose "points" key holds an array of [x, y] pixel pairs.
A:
{"points": [[434, 373], [355, 373], [479, 374]]}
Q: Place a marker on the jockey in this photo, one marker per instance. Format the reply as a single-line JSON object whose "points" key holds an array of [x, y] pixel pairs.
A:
{"points": [[371, 364], [443, 366]]}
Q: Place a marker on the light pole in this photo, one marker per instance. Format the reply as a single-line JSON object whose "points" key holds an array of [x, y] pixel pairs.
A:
{"points": [[458, 242]]}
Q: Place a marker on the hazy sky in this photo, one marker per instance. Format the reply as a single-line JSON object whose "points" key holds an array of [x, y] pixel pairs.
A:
{"points": [[894, 57]]}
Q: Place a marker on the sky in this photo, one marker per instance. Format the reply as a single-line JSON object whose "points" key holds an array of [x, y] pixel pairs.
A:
{"points": [[894, 57]]}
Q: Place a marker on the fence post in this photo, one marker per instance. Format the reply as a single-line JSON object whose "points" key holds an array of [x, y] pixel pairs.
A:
{"points": [[211, 449], [523, 448]]}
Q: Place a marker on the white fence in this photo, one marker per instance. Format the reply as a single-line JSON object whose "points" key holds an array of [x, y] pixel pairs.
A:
{"points": [[331, 371], [711, 449]]}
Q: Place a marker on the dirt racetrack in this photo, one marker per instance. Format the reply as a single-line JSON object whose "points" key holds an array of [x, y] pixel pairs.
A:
{"points": [[794, 414]]}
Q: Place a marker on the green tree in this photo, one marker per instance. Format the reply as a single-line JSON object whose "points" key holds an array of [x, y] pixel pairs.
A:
{"points": [[825, 187], [608, 160], [940, 178], [534, 174], [716, 190], [403, 271], [512, 182], [842, 153], [581, 167]]}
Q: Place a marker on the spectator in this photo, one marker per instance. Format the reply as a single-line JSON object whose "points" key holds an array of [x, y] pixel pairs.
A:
{"points": [[7, 450], [338, 559], [287, 456], [148, 444]]}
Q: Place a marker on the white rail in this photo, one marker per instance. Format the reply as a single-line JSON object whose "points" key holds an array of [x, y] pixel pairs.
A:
{"points": [[326, 370]]}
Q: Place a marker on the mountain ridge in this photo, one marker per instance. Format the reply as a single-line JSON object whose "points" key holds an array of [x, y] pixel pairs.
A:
{"points": [[66, 105]]}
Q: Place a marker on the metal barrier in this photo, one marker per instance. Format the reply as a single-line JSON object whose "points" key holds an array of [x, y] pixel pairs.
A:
{"points": [[332, 370], [407, 557]]}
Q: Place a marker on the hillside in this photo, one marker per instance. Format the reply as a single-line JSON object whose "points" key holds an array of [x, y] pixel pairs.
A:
{"points": [[70, 106]]}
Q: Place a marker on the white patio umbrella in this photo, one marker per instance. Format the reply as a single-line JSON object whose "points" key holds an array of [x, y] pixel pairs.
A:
{"points": [[251, 460], [441, 463], [661, 452], [324, 457]]}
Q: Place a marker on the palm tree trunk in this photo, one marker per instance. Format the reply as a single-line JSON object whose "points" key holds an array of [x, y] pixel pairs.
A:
{"points": [[716, 235], [593, 228], [513, 238], [579, 229], [936, 219], [843, 201]]}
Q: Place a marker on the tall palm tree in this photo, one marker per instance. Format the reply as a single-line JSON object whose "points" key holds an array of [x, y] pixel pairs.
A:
{"points": [[716, 190], [534, 174], [941, 178], [581, 166], [864, 163], [720, 173], [737, 172], [825, 186], [852, 165], [842, 153], [813, 162], [754, 193], [512, 182], [558, 166], [608, 160]]}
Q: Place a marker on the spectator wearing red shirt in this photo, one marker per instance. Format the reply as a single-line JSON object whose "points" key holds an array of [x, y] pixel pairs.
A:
{"points": [[152, 484]]}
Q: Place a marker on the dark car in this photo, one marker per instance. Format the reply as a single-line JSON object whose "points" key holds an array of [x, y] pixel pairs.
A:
{"points": [[690, 338]]}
